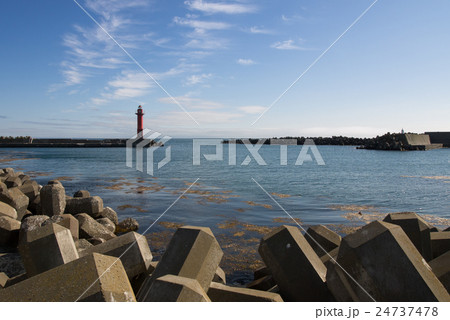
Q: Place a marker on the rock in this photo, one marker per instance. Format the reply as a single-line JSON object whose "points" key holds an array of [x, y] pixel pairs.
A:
{"points": [[332, 254], [220, 276], [261, 272], [82, 194], [110, 214], [89, 228], [221, 293], [193, 252], [295, 266], [417, 230], [30, 189], [7, 211], [265, 283], [320, 238], [75, 281], [384, 265], [96, 241], [9, 231], [108, 224], [13, 182], [131, 248], [91, 206], [53, 199], [170, 288], [127, 225], [11, 264], [16, 199], [46, 248], [441, 269], [81, 245], [440, 243], [67, 221]]}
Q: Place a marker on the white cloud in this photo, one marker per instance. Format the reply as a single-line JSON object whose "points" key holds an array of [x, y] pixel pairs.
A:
{"points": [[198, 78], [108, 7], [219, 7], [193, 103], [245, 62], [259, 30], [286, 45], [130, 85], [201, 26], [252, 109]]}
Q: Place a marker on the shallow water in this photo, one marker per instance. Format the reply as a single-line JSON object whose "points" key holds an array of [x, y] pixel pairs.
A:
{"points": [[227, 199]]}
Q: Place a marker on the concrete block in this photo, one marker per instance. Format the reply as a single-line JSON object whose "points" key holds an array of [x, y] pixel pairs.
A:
{"points": [[325, 238], [7, 211], [110, 214], [3, 187], [108, 224], [13, 182], [193, 252], [294, 265], [171, 288], [264, 284], [127, 225], [221, 293], [35, 206], [440, 243], [441, 269], [8, 171], [384, 262], [417, 230], [47, 247], [16, 199], [3, 280], [9, 231], [12, 281], [447, 229], [53, 199], [91, 206], [67, 221], [89, 228], [31, 189], [138, 280], [220, 276], [75, 281], [23, 177], [131, 248], [332, 254], [96, 241], [261, 272], [31, 223], [81, 245], [82, 194]]}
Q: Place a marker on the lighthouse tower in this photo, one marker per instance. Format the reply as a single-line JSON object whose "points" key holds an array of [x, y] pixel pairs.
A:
{"points": [[140, 120]]}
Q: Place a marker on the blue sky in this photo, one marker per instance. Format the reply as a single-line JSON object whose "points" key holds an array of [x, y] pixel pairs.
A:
{"points": [[225, 62]]}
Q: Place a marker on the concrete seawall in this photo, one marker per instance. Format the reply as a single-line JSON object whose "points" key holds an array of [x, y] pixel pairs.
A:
{"points": [[66, 143], [440, 137]]}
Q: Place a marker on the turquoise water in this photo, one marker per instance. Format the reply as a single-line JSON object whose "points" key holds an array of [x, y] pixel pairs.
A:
{"points": [[350, 181]]}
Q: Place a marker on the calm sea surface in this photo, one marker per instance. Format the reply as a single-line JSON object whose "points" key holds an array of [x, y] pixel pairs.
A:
{"points": [[227, 199]]}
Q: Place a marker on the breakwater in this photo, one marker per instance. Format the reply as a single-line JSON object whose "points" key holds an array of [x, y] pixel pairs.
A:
{"points": [[62, 143]]}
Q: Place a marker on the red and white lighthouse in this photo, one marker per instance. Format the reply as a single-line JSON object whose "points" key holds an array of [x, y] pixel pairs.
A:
{"points": [[140, 119]]}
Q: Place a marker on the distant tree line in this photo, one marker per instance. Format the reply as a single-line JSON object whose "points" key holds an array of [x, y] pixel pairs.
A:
{"points": [[10, 139]]}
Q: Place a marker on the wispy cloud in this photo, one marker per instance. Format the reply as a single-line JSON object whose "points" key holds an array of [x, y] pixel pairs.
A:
{"points": [[220, 7], [130, 85], [201, 26], [259, 30], [245, 62], [287, 45], [293, 18], [198, 78], [193, 103], [108, 7], [3, 117]]}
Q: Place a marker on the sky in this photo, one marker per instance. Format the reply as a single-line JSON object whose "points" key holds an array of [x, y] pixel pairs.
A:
{"points": [[218, 68]]}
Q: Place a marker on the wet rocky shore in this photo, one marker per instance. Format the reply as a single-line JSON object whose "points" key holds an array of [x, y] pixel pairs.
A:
{"points": [[59, 247]]}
